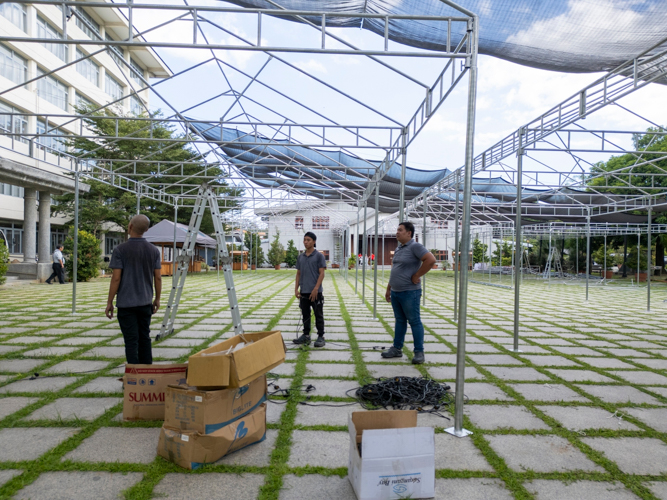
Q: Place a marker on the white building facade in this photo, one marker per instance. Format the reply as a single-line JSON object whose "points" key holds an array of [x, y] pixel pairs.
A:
{"points": [[32, 168]]}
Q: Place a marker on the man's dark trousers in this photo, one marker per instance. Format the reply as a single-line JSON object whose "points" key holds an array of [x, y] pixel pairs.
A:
{"points": [[135, 323], [58, 272], [318, 308]]}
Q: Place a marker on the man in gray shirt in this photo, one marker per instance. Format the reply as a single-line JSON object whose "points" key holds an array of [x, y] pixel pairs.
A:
{"points": [[411, 262], [310, 268], [58, 266], [136, 265]]}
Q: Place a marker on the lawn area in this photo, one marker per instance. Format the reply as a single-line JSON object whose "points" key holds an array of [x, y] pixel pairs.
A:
{"points": [[581, 412]]}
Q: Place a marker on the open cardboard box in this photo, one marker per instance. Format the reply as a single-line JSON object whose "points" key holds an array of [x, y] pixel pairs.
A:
{"points": [[390, 457], [263, 352]]}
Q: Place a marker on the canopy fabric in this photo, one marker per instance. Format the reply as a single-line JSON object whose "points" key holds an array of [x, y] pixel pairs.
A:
{"points": [[570, 36], [162, 233]]}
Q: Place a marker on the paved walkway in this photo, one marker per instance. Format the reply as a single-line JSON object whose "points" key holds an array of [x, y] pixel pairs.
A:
{"points": [[580, 413]]}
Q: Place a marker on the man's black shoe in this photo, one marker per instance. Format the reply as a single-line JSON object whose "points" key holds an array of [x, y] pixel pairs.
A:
{"points": [[303, 340], [320, 342], [392, 352], [47, 281], [418, 358]]}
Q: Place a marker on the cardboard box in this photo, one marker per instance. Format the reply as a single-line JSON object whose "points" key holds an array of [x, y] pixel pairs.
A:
{"points": [[213, 368], [144, 389], [191, 409], [191, 450], [397, 458]]}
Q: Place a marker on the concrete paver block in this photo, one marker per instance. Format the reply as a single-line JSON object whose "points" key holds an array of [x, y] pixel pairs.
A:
{"points": [[319, 449], [545, 489], [211, 486], [646, 456], [79, 486], [316, 486], [118, 444], [74, 408], [29, 443]]}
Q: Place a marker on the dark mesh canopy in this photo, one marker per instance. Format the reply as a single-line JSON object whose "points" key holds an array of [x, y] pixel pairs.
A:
{"points": [[572, 36]]}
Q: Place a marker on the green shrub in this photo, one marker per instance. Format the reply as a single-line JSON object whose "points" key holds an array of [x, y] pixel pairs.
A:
{"points": [[4, 262], [276, 253], [89, 253], [291, 254], [352, 261]]}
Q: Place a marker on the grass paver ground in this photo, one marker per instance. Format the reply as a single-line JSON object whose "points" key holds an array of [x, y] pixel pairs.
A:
{"points": [[581, 412]]}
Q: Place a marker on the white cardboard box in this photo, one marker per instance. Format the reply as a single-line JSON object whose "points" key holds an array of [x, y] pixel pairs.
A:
{"points": [[397, 458]]}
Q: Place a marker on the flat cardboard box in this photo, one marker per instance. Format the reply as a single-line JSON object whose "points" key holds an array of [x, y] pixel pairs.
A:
{"points": [[397, 458], [144, 389], [240, 367], [190, 409], [192, 450]]}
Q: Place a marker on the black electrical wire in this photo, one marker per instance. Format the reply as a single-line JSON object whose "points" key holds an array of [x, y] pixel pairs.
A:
{"points": [[404, 393]]}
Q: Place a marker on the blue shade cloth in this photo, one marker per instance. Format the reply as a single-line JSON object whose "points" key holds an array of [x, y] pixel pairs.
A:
{"points": [[572, 35]]}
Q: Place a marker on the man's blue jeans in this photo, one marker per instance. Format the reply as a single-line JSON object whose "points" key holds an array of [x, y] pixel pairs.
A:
{"points": [[406, 309]]}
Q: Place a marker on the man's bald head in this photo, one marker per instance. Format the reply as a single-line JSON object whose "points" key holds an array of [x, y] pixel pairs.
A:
{"points": [[139, 224]]}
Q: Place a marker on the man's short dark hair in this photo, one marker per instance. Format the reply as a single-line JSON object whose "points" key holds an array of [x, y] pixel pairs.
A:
{"points": [[409, 226], [312, 236], [60, 245]]}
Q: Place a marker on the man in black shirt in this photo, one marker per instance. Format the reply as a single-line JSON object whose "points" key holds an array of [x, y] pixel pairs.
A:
{"points": [[136, 265]]}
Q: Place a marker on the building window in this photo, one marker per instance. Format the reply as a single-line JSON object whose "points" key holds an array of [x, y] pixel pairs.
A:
{"points": [[88, 69], [264, 218], [12, 124], [442, 255], [82, 102], [298, 223], [320, 222], [15, 13], [115, 52], [51, 144], [110, 243], [14, 235], [442, 224], [135, 105], [136, 71], [87, 24], [10, 190], [112, 87], [58, 236], [13, 66], [45, 30], [52, 90], [325, 253]]}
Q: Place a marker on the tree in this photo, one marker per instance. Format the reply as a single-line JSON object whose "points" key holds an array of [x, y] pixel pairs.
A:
{"points": [[89, 253], [292, 254], [479, 251], [276, 253], [4, 262], [253, 243], [108, 204], [632, 258], [506, 254]]}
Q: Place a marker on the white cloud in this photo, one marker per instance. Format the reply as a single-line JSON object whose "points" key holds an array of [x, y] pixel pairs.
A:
{"points": [[311, 66]]}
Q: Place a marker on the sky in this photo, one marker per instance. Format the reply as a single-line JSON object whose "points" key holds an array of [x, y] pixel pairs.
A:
{"points": [[355, 90]]}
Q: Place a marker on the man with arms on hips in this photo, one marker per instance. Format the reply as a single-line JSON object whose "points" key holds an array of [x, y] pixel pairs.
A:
{"points": [[136, 265], [411, 262], [310, 268], [58, 266]]}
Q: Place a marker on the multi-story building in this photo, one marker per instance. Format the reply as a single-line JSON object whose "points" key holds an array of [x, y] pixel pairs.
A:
{"points": [[32, 167]]}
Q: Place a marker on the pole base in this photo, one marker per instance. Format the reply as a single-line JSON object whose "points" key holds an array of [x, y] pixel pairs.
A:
{"points": [[463, 433], [517, 350]]}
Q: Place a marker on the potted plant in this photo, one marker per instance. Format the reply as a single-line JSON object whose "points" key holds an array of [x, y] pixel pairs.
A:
{"points": [[276, 255], [351, 262]]}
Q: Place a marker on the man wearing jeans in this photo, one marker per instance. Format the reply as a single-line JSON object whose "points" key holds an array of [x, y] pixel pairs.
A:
{"points": [[310, 268], [411, 262], [136, 265]]}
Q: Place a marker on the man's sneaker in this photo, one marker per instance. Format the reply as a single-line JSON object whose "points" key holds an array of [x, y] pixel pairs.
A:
{"points": [[418, 358], [320, 342], [392, 352], [303, 340]]}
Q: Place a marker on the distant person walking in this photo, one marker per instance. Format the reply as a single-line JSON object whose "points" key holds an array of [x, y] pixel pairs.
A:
{"points": [[310, 268], [136, 266], [58, 266], [411, 261]]}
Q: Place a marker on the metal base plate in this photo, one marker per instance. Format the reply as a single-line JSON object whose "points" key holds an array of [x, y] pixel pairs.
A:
{"points": [[517, 350], [462, 434]]}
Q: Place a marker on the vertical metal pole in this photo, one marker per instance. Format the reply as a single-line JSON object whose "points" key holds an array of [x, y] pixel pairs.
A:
{"points": [[517, 244], [75, 256], [588, 250], [473, 33], [638, 253], [363, 253], [648, 263], [356, 253], [577, 255], [383, 253], [605, 260], [456, 247], [404, 149], [424, 231], [375, 252], [490, 245], [551, 257], [500, 254], [173, 257], [138, 198]]}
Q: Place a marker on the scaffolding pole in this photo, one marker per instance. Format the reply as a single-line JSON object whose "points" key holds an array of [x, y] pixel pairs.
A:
{"points": [[588, 250], [648, 263], [75, 256], [457, 254], [517, 244], [375, 252], [364, 251]]}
